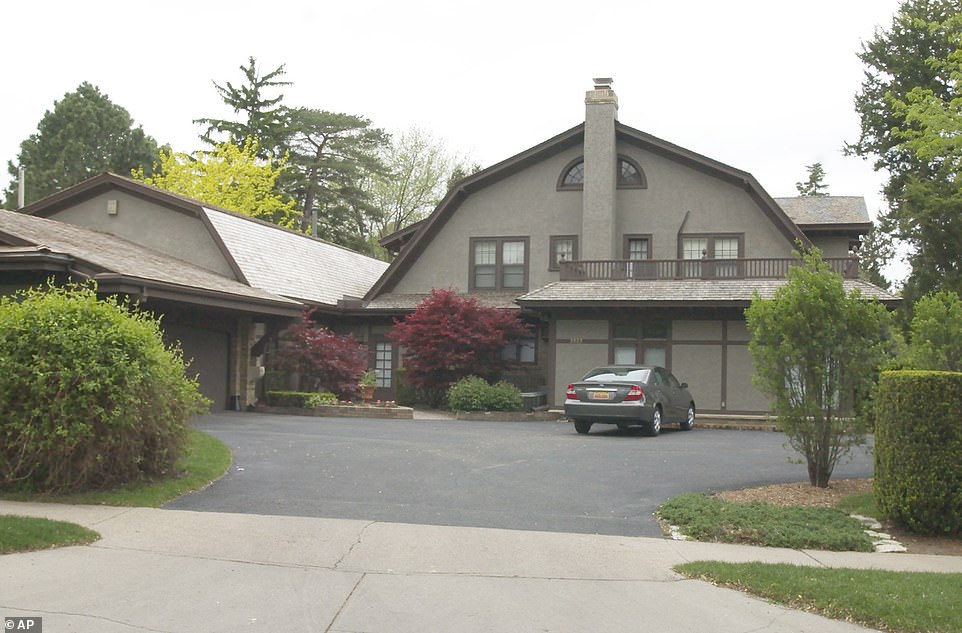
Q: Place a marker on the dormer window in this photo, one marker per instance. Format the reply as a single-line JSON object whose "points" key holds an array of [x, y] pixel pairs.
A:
{"points": [[630, 175]]}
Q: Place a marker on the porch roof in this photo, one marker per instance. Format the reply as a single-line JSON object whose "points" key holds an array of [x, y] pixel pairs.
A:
{"points": [[671, 292]]}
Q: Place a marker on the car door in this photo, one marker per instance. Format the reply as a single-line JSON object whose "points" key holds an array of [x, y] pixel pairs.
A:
{"points": [[674, 407]]}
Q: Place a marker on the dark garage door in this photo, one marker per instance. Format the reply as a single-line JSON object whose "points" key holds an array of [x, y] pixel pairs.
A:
{"points": [[207, 353]]}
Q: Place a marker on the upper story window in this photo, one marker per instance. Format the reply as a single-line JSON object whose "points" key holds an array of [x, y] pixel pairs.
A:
{"points": [[630, 175], [562, 248], [712, 247], [499, 263]]}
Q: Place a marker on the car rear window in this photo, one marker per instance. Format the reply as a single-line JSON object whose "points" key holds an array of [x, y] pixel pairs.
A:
{"points": [[615, 374]]}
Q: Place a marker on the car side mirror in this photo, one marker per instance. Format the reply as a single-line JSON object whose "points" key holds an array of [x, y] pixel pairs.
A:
{"points": [[684, 385]]}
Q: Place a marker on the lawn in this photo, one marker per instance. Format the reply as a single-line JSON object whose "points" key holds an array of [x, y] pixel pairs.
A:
{"points": [[206, 459], [901, 602]]}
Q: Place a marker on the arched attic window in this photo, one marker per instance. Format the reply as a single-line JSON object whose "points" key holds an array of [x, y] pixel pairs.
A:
{"points": [[630, 175]]}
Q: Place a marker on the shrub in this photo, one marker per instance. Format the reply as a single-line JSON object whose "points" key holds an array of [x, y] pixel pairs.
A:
{"points": [[475, 394], [935, 338], [449, 337], [323, 359], [92, 398], [300, 399], [918, 441]]}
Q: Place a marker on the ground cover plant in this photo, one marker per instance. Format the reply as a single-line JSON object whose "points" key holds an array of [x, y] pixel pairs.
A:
{"points": [[901, 602], [705, 518], [24, 534]]}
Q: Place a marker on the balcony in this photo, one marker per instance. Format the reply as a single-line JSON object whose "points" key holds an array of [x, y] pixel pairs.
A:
{"points": [[647, 269]]}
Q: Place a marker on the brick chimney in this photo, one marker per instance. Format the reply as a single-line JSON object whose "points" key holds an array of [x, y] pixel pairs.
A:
{"points": [[601, 166]]}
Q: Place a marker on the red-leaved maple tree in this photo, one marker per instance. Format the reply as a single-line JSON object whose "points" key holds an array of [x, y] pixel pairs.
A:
{"points": [[449, 337], [324, 360]]}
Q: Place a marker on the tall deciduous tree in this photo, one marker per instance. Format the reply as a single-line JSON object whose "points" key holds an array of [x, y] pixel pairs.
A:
{"points": [[331, 154], [84, 135], [815, 348], [814, 186], [416, 178], [264, 117], [909, 88], [229, 177], [449, 337]]}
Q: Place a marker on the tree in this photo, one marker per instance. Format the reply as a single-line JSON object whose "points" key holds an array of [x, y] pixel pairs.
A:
{"points": [[814, 185], [874, 254], [449, 337], [324, 360], [908, 79], [815, 349], [331, 155], [84, 135], [229, 177], [414, 182], [935, 336], [266, 120]]}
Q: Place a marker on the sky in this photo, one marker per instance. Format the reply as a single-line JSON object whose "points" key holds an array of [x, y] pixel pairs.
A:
{"points": [[764, 86]]}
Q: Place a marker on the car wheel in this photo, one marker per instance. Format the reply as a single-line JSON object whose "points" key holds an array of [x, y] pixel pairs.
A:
{"points": [[689, 420], [654, 427], [582, 426]]}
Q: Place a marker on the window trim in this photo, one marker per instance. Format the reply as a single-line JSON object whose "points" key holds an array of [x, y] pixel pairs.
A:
{"points": [[552, 240], [499, 266], [561, 186]]}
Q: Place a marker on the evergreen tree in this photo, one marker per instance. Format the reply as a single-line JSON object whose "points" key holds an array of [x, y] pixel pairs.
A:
{"points": [[84, 135], [814, 185]]}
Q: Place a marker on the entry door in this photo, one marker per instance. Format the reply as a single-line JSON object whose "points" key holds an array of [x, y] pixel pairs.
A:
{"points": [[384, 370]]}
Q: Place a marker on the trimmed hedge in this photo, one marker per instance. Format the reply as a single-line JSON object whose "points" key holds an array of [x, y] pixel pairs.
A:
{"points": [[300, 399], [918, 450], [475, 394]]}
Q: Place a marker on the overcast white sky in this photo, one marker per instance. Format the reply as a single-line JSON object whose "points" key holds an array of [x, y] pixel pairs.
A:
{"points": [[765, 86]]}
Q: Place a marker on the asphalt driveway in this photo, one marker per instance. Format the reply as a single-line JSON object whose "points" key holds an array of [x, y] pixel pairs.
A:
{"points": [[513, 475]]}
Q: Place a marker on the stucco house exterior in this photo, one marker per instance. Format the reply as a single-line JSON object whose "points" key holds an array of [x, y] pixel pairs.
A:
{"points": [[620, 247], [223, 283]]}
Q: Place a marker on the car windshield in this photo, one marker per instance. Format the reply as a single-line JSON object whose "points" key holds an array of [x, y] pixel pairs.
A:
{"points": [[618, 374]]}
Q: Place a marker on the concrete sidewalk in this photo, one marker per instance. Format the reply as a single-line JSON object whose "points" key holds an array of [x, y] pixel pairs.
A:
{"points": [[166, 570]]}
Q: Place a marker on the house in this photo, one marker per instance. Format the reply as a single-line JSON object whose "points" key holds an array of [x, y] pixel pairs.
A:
{"points": [[224, 284], [619, 247]]}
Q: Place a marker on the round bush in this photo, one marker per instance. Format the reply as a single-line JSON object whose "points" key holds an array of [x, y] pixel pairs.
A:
{"points": [[475, 394], [92, 397]]}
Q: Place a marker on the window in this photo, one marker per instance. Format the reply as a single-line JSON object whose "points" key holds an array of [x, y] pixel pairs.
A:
{"points": [[630, 175], [521, 352], [712, 247], [499, 263], [562, 248], [645, 342]]}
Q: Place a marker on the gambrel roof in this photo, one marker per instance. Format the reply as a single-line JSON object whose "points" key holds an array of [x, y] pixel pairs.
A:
{"points": [[430, 227]]}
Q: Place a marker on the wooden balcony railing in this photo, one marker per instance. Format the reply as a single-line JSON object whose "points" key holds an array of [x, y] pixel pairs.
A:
{"points": [[761, 268]]}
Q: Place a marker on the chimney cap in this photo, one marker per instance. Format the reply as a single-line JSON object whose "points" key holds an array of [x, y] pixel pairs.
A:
{"points": [[603, 83]]}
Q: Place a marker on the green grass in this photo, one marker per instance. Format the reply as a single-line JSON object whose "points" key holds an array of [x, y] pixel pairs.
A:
{"points": [[205, 461], [862, 503], [902, 602], [24, 534], [706, 518]]}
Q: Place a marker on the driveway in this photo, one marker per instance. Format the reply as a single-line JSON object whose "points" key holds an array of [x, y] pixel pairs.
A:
{"points": [[513, 475]]}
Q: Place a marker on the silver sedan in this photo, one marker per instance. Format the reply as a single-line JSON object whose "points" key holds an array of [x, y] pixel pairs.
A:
{"points": [[629, 395]]}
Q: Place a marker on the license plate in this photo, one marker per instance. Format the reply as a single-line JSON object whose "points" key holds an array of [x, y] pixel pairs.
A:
{"points": [[600, 395]]}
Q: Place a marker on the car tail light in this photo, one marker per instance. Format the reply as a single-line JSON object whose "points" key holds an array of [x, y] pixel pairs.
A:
{"points": [[571, 394], [635, 393]]}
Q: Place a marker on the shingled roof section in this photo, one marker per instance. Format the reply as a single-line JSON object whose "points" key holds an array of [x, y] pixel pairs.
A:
{"points": [[826, 210], [294, 265], [105, 254], [671, 292]]}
